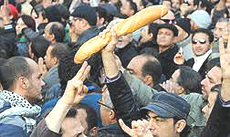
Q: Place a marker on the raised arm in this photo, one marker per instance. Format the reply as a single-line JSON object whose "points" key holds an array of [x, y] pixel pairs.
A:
{"points": [[74, 93], [120, 92]]}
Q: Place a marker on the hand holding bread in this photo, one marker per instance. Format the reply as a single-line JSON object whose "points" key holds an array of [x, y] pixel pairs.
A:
{"points": [[140, 19]]}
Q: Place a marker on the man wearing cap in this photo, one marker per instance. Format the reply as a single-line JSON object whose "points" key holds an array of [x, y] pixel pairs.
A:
{"points": [[166, 49], [83, 22], [166, 113], [200, 19]]}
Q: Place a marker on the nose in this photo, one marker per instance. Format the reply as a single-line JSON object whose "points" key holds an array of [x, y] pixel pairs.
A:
{"points": [[204, 109]]}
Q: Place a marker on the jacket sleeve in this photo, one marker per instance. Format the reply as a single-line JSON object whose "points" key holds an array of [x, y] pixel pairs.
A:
{"points": [[140, 91], [123, 101], [43, 131], [218, 123]]}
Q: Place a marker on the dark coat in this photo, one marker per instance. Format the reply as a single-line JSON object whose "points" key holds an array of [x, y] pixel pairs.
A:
{"points": [[126, 54], [218, 124], [167, 63]]}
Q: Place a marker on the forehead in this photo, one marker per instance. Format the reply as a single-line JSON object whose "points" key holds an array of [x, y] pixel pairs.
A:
{"points": [[165, 30], [215, 73], [221, 24], [200, 35], [137, 61]]}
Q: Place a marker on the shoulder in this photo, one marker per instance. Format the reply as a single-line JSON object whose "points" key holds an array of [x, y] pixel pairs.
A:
{"points": [[13, 127]]}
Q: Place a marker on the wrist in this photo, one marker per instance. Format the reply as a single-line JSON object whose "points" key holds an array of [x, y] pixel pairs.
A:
{"points": [[64, 103]]}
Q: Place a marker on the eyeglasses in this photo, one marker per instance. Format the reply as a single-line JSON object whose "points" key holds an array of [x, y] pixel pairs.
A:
{"points": [[186, 2], [99, 101], [201, 41]]}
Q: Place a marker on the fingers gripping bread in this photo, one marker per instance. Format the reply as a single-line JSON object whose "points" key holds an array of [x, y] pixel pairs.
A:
{"points": [[140, 19]]}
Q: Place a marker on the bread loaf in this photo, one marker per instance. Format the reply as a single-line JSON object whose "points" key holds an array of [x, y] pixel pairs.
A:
{"points": [[140, 19]]}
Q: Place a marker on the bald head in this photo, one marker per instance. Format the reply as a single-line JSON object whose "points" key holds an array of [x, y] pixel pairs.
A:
{"points": [[147, 68]]}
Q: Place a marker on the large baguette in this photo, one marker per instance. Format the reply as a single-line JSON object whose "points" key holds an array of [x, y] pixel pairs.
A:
{"points": [[140, 19]]}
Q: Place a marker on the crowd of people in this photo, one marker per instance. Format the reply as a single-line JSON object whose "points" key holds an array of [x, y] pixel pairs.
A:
{"points": [[169, 78]]}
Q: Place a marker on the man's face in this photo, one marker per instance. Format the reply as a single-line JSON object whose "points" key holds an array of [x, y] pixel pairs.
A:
{"points": [[47, 33], [72, 127], [123, 41], [77, 25], [219, 29], [165, 37], [126, 8], [188, 5], [105, 112], [211, 102], [135, 66], [161, 127], [200, 44], [175, 86], [49, 59], [213, 77], [35, 83]]}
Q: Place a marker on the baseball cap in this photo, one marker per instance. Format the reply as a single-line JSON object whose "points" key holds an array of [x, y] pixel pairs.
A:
{"points": [[168, 105]]}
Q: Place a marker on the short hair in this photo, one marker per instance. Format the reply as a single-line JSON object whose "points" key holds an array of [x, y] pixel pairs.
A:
{"points": [[58, 30], [215, 62], [189, 79], [152, 67], [12, 69], [206, 31], [59, 49], [133, 6], [92, 119]]}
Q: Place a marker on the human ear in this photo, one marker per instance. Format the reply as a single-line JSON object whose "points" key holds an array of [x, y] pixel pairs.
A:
{"points": [[180, 125], [148, 80], [23, 82]]}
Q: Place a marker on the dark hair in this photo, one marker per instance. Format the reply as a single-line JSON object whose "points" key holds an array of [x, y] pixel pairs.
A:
{"points": [[92, 119], [133, 6], [71, 113], [58, 50], [29, 21], [58, 30], [152, 67], [189, 79], [39, 46], [216, 88], [206, 31], [51, 13], [215, 62], [12, 69]]}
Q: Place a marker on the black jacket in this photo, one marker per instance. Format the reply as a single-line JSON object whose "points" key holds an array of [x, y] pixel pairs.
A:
{"points": [[123, 101], [167, 63], [218, 124]]}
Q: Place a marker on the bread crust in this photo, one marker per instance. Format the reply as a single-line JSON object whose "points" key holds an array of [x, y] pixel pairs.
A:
{"points": [[140, 19]]}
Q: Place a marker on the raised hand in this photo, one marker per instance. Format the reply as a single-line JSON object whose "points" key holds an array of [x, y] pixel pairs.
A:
{"points": [[112, 44], [42, 66], [225, 65], [5, 12], [179, 57], [76, 90], [225, 58], [140, 128]]}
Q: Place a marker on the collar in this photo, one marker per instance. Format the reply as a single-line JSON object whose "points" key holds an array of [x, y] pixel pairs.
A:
{"points": [[19, 105], [205, 56], [198, 61]]}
